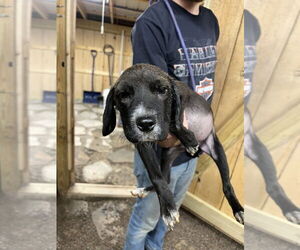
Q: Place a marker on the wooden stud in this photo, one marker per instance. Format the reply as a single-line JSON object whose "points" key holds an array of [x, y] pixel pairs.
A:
{"points": [[277, 227], [43, 14], [227, 13], [9, 173], [86, 190], [81, 9], [111, 11], [38, 191], [93, 25], [22, 35], [65, 81], [214, 217]]}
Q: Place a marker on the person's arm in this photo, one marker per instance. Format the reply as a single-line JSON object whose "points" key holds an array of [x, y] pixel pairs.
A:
{"points": [[149, 44]]}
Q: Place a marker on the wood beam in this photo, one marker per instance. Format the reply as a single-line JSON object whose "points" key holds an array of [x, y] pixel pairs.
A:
{"points": [[10, 175], [66, 16], [214, 217], [81, 9], [22, 46], [42, 13], [87, 190], [93, 25], [111, 11], [38, 191], [270, 224]]}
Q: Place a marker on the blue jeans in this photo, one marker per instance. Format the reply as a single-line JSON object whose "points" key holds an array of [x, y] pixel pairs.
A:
{"points": [[146, 229]]}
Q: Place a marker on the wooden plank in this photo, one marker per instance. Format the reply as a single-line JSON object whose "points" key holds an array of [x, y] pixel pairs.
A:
{"points": [[93, 25], [272, 225], [9, 172], [279, 97], [87, 190], [65, 65], [22, 37], [282, 128], [43, 14], [81, 9], [111, 11], [43, 24], [214, 217], [38, 191], [233, 90], [229, 15], [271, 14]]}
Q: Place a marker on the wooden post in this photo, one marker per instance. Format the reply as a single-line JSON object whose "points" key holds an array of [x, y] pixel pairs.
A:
{"points": [[9, 172], [22, 38], [66, 11]]}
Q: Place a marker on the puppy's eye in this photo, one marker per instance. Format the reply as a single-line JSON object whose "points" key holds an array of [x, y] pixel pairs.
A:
{"points": [[163, 90], [160, 90], [124, 95]]}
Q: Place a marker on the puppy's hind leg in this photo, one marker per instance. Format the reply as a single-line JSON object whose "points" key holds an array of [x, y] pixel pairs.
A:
{"points": [[214, 148], [259, 154]]}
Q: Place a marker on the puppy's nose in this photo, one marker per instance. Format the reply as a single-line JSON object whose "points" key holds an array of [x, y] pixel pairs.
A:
{"points": [[145, 124]]}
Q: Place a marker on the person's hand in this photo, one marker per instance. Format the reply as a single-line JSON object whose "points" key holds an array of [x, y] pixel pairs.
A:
{"points": [[171, 139]]}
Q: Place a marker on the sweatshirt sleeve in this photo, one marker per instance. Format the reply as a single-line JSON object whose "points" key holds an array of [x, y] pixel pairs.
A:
{"points": [[149, 44], [216, 25]]}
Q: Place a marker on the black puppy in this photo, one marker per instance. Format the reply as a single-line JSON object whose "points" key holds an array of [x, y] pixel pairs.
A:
{"points": [[151, 106]]}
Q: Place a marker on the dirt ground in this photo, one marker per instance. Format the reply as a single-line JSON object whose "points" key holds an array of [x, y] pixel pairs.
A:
{"points": [[101, 225]]}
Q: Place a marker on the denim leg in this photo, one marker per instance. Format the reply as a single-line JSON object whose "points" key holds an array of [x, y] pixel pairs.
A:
{"points": [[184, 181], [146, 228], [181, 177], [146, 211]]}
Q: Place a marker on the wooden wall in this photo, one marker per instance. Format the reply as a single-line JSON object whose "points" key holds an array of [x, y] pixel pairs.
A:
{"points": [[42, 59], [227, 106], [43, 56], [14, 50], [88, 37], [274, 104]]}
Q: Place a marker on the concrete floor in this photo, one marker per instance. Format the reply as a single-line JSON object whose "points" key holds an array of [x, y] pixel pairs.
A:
{"points": [[27, 224], [102, 225], [256, 240]]}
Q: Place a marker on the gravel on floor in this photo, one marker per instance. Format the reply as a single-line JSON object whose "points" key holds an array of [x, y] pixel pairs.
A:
{"points": [[102, 225]]}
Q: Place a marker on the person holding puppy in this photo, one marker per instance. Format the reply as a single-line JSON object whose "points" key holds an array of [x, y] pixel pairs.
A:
{"points": [[155, 41]]}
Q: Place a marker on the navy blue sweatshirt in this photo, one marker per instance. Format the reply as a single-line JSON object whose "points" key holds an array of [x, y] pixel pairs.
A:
{"points": [[155, 41]]}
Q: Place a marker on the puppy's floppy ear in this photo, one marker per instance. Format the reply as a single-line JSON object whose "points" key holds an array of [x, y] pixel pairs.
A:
{"points": [[109, 116], [176, 103]]}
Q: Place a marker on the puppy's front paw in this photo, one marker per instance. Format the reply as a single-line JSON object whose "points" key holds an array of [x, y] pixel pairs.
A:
{"points": [[293, 216], [139, 192], [171, 219], [192, 150], [239, 216]]}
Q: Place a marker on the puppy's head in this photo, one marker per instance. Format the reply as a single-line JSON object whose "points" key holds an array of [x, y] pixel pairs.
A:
{"points": [[143, 94]]}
